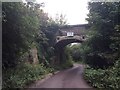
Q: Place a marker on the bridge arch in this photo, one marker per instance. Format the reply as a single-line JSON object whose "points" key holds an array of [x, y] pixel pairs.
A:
{"points": [[63, 41], [66, 35], [60, 44]]}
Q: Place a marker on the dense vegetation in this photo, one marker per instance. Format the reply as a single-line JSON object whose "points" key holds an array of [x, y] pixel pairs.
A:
{"points": [[104, 78], [23, 75], [67, 58], [102, 50], [75, 52], [26, 26]]}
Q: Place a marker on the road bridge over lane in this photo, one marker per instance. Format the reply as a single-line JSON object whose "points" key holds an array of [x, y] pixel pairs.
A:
{"points": [[70, 34]]}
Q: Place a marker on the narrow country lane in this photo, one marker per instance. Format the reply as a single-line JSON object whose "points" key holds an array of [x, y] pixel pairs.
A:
{"points": [[70, 78]]}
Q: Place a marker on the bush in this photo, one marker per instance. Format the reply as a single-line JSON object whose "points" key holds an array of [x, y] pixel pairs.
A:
{"points": [[108, 78], [23, 75], [96, 61], [68, 63], [67, 59]]}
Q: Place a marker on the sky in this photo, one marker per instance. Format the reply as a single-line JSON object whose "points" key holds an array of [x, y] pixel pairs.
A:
{"points": [[75, 11]]}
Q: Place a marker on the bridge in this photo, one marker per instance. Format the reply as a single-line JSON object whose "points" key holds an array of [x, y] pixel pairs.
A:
{"points": [[70, 34]]}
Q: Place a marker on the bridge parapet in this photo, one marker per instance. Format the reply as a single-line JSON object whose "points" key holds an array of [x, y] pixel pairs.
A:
{"points": [[71, 34], [60, 38]]}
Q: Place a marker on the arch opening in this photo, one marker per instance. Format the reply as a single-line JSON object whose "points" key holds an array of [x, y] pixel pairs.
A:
{"points": [[60, 48], [64, 42]]}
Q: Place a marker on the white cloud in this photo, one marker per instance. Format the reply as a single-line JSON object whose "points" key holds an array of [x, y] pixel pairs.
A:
{"points": [[75, 10]]}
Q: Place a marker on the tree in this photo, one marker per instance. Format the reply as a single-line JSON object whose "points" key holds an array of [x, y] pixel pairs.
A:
{"points": [[20, 26], [103, 18]]}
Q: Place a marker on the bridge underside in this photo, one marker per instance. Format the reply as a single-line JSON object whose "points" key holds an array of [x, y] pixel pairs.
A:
{"points": [[59, 48], [62, 41], [61, 44]]}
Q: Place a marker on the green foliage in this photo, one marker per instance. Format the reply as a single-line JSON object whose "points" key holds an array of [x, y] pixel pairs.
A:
{"points": [[103, 18], [79, 52], [26, 26], [67, 59], [75, 52], [104, 45], [60, 19], [47, 38], [20, 26], [115, 45], [108, 78], [68, 63], [23, 75]]}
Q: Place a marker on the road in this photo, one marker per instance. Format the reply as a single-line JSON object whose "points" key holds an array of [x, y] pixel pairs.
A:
{"points": [[69, 78]]}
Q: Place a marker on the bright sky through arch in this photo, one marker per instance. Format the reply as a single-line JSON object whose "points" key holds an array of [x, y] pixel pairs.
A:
{"points": [[75, 11]]}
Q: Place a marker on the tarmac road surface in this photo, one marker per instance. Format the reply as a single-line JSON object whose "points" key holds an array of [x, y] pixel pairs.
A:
{"points": [[69, 78]]}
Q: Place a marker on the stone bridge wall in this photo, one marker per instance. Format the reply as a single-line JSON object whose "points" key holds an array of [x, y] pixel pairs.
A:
{"points": [[59, 38], [77, 29], [62, 39]]}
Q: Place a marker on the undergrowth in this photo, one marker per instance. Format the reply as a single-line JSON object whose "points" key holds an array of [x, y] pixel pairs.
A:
{"points": [[104, 78], [23, 75]]}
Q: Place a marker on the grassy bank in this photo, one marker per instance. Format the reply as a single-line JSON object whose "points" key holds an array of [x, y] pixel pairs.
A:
{"points": [[23, 75]]}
